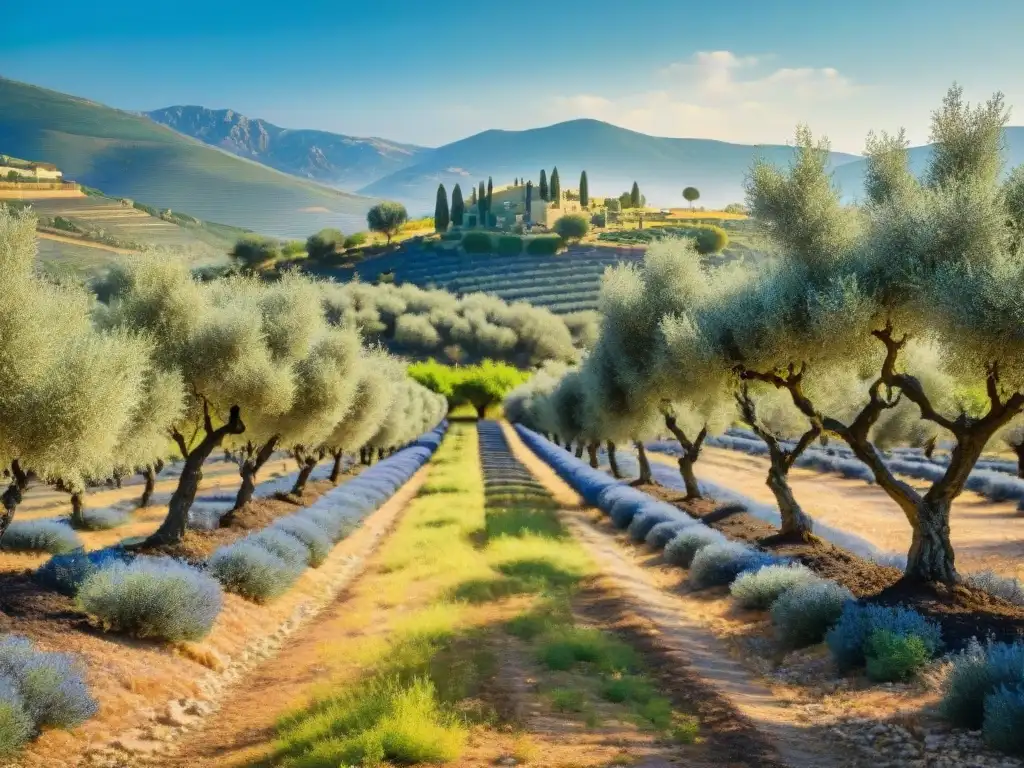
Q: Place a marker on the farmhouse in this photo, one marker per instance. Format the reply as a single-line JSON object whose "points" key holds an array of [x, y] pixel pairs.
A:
{"points": [[508, 205], [28, 169]]}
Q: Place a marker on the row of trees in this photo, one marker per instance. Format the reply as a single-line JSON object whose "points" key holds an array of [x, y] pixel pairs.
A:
{"points": [[418, 322], [92, 389], [895, 321]]}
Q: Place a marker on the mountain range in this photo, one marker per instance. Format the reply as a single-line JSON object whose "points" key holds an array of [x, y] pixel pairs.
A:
{"points": [[346, 162], [128, 155], [225, 167]]}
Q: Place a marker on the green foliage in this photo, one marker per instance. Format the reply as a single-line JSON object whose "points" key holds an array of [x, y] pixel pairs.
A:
{"points": [[387, 218], [254, 252], [572, 227], [542, 188], [708, 238], [543, 245], [893, 658], [691, 195], [477, 242], [510, 245], [452, 235], [355, 240], [565, 647], [599, 220], [480, 385], [635, 198], [555, 191], [441, 211], [458, 209], [735, 208], [584, 190], [324, 243], [759, 589]]}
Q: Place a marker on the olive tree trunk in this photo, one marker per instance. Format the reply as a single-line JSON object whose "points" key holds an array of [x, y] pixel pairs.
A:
{"points": [[77, 510], [645, 478], [690, 452], [336, 467], [307, 462], [149, 475], [793, 521], [173, 527], [12, 497], [592, 455], [1018, 449], [253, 463], [931, 557], [579, 449], [613, 460]]}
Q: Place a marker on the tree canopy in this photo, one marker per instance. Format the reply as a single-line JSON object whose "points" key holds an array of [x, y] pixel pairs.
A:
{"points": [[387, 218]]}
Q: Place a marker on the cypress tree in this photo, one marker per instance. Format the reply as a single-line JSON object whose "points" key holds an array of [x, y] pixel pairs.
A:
{"points": [[490, 194], [543, 191], [481, 205], [441, 213], [529, 202], [472, 196], [458, 206], [634, 196], [584, 190], [556, 188]]}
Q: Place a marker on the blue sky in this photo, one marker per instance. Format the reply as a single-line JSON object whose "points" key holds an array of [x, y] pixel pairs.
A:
{"points": [[430, 73]]}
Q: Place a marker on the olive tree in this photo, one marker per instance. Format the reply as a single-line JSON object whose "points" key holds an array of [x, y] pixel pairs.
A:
{"points": [[68, 390], [934, 258], [387, 218], [214, 337]]}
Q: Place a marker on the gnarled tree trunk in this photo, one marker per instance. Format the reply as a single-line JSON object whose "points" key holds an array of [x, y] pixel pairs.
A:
{"points": [[11, 497], [77, 510], [336, 467], [690, 452], [173, 527], [149, 474], [592, 455], [613, 460], [251, 465], [793, 521], [645, 478], [1018, 448], [579, 449]]}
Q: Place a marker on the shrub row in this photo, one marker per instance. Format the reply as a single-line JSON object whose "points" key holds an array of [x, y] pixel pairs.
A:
{"points": [[264, 565], [163, 598], [38, 689], [892, 642]]}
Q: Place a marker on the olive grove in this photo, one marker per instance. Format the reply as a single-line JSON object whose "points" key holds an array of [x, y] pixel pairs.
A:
{"points": [[893, 322]]}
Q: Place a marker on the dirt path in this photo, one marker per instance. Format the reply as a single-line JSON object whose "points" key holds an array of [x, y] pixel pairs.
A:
{"points": [[83, 242], [240, 731], [987, 535], [697, 649]]}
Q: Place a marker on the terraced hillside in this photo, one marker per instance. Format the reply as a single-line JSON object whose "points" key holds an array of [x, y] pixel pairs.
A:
{"points": [[129, 155], [568, 282], [114, 229]]}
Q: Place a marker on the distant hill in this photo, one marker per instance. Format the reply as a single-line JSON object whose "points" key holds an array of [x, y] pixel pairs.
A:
{"points": [[347, 162], [128, 155], [850, 177], [613, 158]]}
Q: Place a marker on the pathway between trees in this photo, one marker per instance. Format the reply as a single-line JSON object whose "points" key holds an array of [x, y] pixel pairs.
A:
{"points": [[695, 646], [987, 535], [242, 729]]}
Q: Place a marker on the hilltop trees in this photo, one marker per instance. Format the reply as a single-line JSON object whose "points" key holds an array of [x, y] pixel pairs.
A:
{"points": [[387, 218], [584, 190], [635, 199], [458, 210], [253, 252], [542, 188], [556, 188], [441, 213], [691, 195]]}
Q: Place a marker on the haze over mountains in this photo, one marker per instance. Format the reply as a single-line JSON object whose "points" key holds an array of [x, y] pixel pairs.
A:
{"points": [[346, 162], [225, 167]]}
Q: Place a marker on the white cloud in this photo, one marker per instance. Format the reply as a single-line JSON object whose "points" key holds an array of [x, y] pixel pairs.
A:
{"points": [[721, 95]]}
